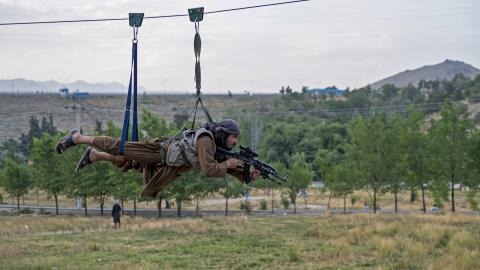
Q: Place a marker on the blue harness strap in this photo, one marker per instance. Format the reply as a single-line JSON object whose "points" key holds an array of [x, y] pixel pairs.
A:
{"points": [[132, 85]]}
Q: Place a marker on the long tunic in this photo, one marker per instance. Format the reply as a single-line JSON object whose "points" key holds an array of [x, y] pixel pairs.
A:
{"points": [[146, 158]]}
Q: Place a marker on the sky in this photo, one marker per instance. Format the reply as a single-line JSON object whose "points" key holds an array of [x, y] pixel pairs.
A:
{"points": [[346, 43]]}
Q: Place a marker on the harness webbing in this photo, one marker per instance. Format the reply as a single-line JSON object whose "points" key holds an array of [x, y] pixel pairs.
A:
{"points": [[196, 17], [132, 85]]}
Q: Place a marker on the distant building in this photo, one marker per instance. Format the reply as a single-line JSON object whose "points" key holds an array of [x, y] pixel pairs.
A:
{"points": [[327, 91], [63, 91], [78, 94]]}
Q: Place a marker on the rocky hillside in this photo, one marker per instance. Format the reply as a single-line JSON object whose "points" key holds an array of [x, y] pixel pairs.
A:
{"points": [[17, 109], [446, 70]]}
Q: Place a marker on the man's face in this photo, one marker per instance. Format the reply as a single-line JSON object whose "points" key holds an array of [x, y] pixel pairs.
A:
{"points": [[231, 141]]}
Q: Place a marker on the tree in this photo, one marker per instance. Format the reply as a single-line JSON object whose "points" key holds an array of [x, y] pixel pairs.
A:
{"points": [[153, 126], [451, 138], [396, 156], [202, 186], [232, 188], [182, 189], [370, 150], [342, 181], [9, 149], [300, 176], [268, 187], [49, 174], [416, 159], [15, 179]]}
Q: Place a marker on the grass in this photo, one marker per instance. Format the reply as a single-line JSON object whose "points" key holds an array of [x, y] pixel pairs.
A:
{"points": [[326, 242]]}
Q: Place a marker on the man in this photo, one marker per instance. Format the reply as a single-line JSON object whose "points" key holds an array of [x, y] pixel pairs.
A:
{"points": [[163, 159], [116, 213]]}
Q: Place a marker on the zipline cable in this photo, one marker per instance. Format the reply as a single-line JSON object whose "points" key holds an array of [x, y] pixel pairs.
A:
{"points": [[151, 17]]}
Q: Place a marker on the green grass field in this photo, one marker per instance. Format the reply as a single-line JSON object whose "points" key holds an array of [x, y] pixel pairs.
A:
{"points": [[362, 241]]}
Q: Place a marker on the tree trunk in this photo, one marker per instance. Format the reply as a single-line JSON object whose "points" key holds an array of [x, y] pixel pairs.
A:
{"points": [[305, 200], [56, 203], [197, 207], [123, 208], [453, 195], [226, 206], [294, 202], [159, 207], [102, 204], [135, 208], [423, 199], [395, 191], [329, 200], [18, 202], [179, 208], [273, 201], [86, 210], [374, 200], [345, 203]]}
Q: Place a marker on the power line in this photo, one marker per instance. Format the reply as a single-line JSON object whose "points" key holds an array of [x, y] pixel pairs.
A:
{"points": [[152, 17]]}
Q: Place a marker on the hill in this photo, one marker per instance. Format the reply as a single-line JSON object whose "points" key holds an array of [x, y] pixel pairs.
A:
{"points": [[446, 70], [19, 85], [16, 109]]}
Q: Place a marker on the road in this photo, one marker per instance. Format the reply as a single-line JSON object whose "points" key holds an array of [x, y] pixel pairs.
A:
{"points": [[190, 213]]}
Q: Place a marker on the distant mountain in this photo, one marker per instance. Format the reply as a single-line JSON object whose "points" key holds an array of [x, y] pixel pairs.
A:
{"points": [[29, 86], [446, 70]]}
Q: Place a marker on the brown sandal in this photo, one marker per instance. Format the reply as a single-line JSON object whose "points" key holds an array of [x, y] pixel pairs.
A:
{"points": [[65, 142], [84, 160]]}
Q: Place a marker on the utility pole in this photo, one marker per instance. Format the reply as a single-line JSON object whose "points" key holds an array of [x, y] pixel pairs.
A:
{"points": [[255, 131], [78, 126]]}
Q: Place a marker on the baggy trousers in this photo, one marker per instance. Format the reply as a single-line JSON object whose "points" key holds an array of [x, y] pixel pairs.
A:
{"points": [[147, 157]]}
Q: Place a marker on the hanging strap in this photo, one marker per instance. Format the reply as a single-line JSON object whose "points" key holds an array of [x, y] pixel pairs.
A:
{"points": [[135, 22], [196, 15]]}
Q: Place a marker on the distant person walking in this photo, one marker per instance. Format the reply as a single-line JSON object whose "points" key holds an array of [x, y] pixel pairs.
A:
{"points": [[116, 213]]}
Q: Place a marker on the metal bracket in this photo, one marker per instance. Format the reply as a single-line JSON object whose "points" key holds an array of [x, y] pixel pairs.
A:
{"points": [[195, 14], [135, 19]]}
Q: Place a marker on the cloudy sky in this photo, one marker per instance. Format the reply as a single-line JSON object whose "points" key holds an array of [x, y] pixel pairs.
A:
{"points": [[347, 43]]}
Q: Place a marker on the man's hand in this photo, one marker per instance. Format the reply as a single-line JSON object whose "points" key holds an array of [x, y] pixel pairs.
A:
{"points": [[233, 163], [255, 174]]}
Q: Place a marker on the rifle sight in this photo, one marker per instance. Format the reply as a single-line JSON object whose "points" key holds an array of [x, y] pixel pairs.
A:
{"points": [[246, 151]]}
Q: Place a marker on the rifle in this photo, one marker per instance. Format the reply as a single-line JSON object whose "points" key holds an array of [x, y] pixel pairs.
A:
{"points": [[248, 157]]}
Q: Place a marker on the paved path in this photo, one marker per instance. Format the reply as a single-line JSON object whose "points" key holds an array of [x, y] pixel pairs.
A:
{"points": [[190, 213]]}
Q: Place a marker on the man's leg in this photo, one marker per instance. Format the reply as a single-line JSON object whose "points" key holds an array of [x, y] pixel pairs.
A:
{"points": [[82, 139]]}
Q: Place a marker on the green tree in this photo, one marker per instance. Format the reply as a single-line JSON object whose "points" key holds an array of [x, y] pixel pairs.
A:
{"points": [[451, 138], [232, 188], [16, 179], [370, 150], [49, 174], [300, 176], [182, 189], [416, 159]]}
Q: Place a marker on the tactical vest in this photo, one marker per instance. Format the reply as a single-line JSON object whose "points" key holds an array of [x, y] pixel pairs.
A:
{"points": [[183, 149]]}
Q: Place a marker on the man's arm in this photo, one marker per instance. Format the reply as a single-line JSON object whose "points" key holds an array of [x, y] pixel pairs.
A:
{"points": [[208, 165]]}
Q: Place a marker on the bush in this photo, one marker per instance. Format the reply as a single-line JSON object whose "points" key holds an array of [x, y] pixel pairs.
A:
{"points": [[353, 200], [472, 200], [285, 202], [293, 254], [25, 211], [44, 212], [245, 205], [263, 204]]}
